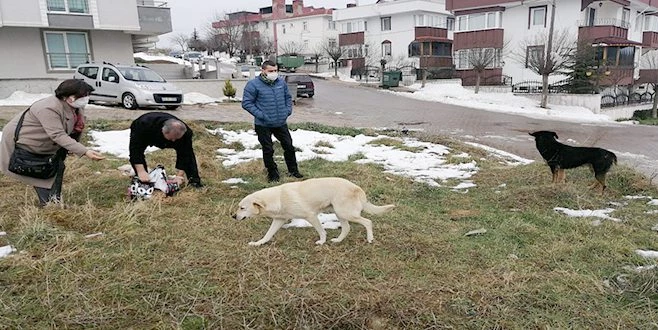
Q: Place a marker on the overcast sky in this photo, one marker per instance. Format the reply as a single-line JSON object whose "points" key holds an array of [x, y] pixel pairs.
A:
{"points": [[189, 14]]}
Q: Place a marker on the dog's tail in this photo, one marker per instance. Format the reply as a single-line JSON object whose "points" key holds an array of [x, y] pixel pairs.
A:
{"points": [[377, 210]]}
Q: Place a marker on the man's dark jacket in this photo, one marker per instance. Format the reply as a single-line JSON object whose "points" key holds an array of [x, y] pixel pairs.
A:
{"points": [[146, 131]]}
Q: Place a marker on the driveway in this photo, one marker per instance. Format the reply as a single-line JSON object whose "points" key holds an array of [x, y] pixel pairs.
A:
{"points": [[343, 104]]}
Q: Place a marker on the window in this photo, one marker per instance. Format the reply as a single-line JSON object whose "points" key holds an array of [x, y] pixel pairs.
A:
{"points": [[332, 42], [71, 6], [537, 17], [305, 26], [332, 25], [534, 56], [478, 21], [66, 50], [386, 23], [462, 59], [450, 23], [90, 72], [267, 25], [414, 49], [283, 28], [626, 18], [110, 75], [491, 57], [591, 16], [386, 48], [616, 56], [433, 48], [354, 26]]}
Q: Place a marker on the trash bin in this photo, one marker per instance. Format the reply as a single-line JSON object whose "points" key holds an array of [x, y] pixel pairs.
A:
{"points": [[391, 79]]}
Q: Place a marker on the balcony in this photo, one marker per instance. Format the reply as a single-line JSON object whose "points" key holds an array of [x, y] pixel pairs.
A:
{"points": [[492, 38], [154, 17], [354, 38], [650, 39], [430, 32], [604, 28], [435, 61]]}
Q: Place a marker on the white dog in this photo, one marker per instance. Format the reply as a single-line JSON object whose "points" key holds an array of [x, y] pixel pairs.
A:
{"points": [[305, 200]]}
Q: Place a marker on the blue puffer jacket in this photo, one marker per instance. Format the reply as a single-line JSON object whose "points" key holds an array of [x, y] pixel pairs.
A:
{"points": [[271, 105]]}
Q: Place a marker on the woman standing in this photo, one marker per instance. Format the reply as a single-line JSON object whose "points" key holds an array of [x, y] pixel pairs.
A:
{"points": [[51, 126]]}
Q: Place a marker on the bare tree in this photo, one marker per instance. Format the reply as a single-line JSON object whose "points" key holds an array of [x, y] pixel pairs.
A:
{"points": [[292, 48], [546, 55], [481, 59], [224, 34], [181, 40], [335, 53], [266, 46], [650, 62], [195, 42], [316, 55]]}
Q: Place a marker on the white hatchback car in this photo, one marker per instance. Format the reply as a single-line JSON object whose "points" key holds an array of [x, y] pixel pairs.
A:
{"points": [[130, 86]]}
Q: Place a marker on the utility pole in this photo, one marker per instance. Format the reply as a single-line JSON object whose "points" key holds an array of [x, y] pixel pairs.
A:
{"points": [[548, 57]]}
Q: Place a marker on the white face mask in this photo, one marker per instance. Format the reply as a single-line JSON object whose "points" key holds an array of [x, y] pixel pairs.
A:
{"points": [[272, 75], [81, 102]]}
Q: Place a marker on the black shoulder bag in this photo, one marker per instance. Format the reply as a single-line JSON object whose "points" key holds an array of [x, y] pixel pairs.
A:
{"points": [[26, 163]]}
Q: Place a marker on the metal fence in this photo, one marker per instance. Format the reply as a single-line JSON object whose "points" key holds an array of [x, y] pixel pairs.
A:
{"points": [[616, 100]]}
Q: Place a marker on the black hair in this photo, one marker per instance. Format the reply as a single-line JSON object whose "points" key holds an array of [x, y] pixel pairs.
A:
{"points": [[267, 63], [75, 87]]}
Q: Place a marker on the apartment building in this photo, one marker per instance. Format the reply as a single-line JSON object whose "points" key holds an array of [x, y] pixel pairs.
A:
{"points": [[49, 38], [620, 30], [285, 26], [402, 32]]}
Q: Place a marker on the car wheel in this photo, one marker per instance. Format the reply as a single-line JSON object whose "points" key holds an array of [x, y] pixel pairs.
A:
{"points": [[128, 101], [310, 95], [171, 107]]}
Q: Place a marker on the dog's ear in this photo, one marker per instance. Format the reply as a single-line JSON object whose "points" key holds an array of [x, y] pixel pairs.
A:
{"points": [[259, 205]]}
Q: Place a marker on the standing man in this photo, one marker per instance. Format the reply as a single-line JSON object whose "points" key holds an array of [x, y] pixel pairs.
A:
{"points": [[267, 98], [163, 130]]}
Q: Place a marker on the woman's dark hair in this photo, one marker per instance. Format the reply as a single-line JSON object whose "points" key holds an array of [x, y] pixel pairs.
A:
{"points": [[75, 87]]}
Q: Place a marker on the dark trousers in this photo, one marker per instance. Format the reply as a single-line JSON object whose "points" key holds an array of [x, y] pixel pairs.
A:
{"points": [[54, 193], [283, 135]]}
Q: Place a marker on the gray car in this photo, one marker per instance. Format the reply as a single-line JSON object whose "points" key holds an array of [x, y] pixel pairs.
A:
{"points": [[130, 86]]}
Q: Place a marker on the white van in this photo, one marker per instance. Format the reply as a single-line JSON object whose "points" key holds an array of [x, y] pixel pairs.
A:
{"points": [[131, 86]]}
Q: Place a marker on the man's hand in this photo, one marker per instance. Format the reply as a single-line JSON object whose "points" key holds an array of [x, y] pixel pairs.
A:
{"points": [[94, 155], [144, 177], [179, 180]]}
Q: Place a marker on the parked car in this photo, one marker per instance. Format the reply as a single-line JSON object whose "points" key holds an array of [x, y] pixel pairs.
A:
{"points": [[193, 57], [130, 86], [304, 83]]}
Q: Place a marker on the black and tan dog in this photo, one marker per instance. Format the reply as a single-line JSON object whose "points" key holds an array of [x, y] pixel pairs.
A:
{"points": [[561, 156]]}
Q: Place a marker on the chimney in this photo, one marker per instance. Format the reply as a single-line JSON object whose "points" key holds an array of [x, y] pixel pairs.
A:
{"points": [[297, 7], [278, 8]]}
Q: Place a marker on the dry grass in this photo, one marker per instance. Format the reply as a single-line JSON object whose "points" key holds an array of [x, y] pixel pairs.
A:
{"points": [[183, 263]]}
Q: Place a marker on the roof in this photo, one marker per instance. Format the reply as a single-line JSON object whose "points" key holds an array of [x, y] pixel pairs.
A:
{"points": [[612, 41]]}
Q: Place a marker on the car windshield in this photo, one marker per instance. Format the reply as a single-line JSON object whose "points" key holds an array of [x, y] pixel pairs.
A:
{"points": [[140, 74]]}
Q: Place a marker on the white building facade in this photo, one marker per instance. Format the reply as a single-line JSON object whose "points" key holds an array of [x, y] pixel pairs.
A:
{"points": [[620, 30], [401, 32], [49, 38], [308, 34]]}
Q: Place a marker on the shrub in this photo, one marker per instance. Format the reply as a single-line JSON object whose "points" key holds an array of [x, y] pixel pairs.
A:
{"points": [[229, 90]]}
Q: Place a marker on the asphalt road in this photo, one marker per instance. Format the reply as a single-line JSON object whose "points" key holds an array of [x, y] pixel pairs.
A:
{"points": [[342, 104]]}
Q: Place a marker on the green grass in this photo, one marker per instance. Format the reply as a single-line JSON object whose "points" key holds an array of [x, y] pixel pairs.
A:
{"points": [[184, 263], [644, 117]]}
